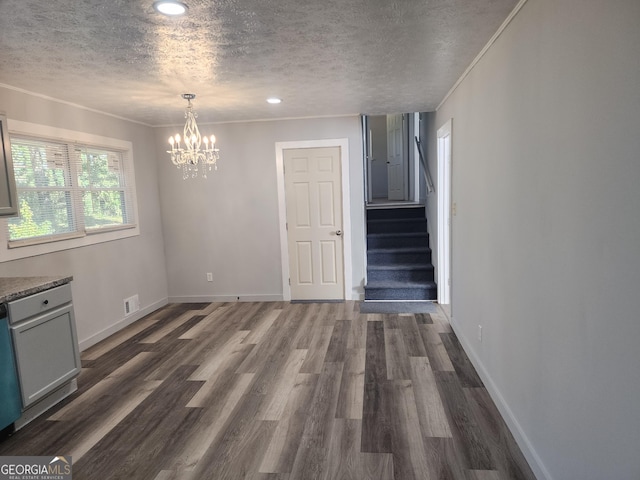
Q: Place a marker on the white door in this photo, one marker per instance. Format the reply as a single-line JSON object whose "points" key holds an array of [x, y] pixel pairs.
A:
{"points": [[444, 214], [313, 196], [395, 158]]}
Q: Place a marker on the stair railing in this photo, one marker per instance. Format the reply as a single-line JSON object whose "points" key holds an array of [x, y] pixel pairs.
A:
{"points": [[425, 169]]}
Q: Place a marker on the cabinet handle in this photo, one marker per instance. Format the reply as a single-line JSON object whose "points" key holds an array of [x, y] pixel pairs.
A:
{"points": [[46, 302]]}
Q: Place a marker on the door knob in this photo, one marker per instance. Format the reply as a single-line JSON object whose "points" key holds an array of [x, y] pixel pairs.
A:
{"points": [[339, 233]]}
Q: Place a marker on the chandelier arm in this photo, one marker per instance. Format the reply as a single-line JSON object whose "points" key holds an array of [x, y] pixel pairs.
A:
{"points": [[192, 155]]}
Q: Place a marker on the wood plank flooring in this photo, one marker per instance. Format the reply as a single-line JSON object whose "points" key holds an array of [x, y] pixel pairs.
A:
{"points": [[278, 391]]}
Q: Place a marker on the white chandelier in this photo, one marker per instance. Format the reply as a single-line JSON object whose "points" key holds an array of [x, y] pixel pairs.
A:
{"points": [[191, 155]]}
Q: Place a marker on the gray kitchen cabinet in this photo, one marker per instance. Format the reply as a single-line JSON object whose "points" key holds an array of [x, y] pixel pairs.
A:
{"points": [[8, 193], [45, 342]]}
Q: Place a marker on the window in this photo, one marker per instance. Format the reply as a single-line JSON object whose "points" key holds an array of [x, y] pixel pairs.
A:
{"points": [[43, 182], [70, 192], [102, 182]]}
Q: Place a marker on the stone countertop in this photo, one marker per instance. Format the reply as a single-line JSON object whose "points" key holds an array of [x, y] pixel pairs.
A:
{"points": [[14, 288]]}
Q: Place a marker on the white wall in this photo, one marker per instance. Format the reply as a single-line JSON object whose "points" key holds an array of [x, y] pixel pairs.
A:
{"points": [[546, 241], [106, 273], [229, 224]]}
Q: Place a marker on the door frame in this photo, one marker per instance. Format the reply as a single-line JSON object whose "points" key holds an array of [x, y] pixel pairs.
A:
{"points": [[443, 189], [343, 144]]}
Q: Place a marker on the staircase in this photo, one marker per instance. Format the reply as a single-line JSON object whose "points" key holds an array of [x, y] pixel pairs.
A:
{"points": [[398, 255]]}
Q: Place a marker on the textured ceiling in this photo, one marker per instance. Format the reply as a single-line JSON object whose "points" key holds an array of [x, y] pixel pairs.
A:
{"points": [[322, 57]]}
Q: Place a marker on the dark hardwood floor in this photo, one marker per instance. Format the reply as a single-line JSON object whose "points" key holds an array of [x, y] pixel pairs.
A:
{"points": [[278, 391]]}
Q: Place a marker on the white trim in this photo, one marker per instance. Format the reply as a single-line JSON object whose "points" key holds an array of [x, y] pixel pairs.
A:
{"points": [[491, 41], [343, 143], [226, 298], [19, 250], [261, 120], [445, 216], [71, 104], [120, 324], [534, 460], [164, 125], [17, 127]]}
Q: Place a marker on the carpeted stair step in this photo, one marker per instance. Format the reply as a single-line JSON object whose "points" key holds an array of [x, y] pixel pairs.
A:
{"points": [[391, 290], [397, 240], [395, 213], [398, 255], [397, 225], [385, 256], [400, 273]]}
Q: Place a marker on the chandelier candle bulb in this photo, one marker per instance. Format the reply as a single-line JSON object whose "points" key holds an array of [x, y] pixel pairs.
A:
{"points": [[191, 157]]}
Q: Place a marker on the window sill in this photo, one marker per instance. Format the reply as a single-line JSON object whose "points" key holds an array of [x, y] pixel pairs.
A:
{"points": [[112, 228], [31, 249]]}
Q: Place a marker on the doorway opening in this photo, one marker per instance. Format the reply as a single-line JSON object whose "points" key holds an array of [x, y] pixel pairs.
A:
{"points": [[343, 145], [392, 162], [399, 267]]}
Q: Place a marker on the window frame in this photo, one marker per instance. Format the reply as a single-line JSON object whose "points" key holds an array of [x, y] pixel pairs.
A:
{"points": [[82, 236]]}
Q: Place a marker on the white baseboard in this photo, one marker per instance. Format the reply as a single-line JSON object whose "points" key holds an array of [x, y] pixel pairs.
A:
{"points": [[120, 324], [535, 462], [225, 298]]}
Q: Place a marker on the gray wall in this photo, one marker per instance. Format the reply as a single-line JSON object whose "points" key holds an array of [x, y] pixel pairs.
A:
{"points": [[106, 273], [546, 241], [228, 224]]}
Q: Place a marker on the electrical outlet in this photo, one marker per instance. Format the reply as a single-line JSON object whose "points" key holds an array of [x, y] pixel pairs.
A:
{"points": [[480, 333], [209, 277]]}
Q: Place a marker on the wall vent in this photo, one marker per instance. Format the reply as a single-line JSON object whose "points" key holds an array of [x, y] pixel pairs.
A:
{"points": [[131, 305]]}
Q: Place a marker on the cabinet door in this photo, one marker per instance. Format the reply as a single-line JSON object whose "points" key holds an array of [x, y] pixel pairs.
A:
{"points": [[47, 354], [8, 195]]}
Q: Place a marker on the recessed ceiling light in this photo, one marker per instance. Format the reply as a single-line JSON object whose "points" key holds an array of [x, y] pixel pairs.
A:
{"points": [[274, 100], [170, 7]]}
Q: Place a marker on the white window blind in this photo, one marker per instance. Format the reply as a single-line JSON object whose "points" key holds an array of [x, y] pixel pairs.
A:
{"points": [[66, 190], [102, 181]]}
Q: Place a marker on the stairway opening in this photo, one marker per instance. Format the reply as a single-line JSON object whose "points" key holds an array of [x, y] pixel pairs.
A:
{"points": [[398, 255]]}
